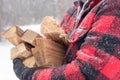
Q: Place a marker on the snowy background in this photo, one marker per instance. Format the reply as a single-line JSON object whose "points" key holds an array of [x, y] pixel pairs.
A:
{"points": [[27, 14], [24, 12], [6, 71], [6, 66]]}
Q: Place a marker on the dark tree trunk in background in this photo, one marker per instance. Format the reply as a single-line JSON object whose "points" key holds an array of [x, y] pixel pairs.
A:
{"points": [[24, 12]]}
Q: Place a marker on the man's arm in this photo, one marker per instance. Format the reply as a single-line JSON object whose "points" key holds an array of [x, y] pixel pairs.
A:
{"points": [[98, 57], [25, 73]]}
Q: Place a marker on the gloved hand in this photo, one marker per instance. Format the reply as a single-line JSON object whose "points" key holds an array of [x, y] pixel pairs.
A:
{"points": [[22, 72]]}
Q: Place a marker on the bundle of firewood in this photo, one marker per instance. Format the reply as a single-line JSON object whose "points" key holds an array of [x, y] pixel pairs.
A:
{"points": [[35, 50]]}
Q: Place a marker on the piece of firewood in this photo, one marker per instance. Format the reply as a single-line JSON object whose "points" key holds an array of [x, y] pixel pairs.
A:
{"points": [[22, 51], [44, 42], [29, 36], [48, 53], [49, 24], [13, 35], [60, 38], [39, 58], [52, 30], [30, 62]]}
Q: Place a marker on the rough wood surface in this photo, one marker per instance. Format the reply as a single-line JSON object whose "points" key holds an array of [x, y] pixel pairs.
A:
{"points": [[13, 35], [36, 50], [29, 36], [49, 24], [39, 58], [30, 62], [52, 30], [48, 53], [21, 51], [60, 38]]}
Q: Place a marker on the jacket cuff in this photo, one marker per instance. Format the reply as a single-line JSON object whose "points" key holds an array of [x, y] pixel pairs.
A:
{"points": [[27, 74]]}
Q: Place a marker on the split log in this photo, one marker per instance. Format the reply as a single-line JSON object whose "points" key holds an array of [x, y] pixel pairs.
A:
{"points": [[30, 62], [48, 53], [52, 30], [21, 51], [13, 35], [60, 38], [29, 36], [49, 24]]}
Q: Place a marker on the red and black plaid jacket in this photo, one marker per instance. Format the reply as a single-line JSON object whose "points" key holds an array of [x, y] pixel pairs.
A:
{"points": [[94, 52]]}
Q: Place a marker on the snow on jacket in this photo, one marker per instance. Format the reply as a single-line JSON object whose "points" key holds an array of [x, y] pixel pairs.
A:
{"points": [[94, 52]]}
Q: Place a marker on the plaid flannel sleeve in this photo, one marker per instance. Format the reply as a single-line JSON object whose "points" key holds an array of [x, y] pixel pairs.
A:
{"points": [[101, 49], [99, 56]]}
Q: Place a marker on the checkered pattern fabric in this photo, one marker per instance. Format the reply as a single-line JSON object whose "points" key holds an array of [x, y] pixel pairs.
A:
{"points": [[94, 52]]}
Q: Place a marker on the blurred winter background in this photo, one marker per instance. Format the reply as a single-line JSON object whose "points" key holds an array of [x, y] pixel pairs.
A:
{"points": [[28, 15]]}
